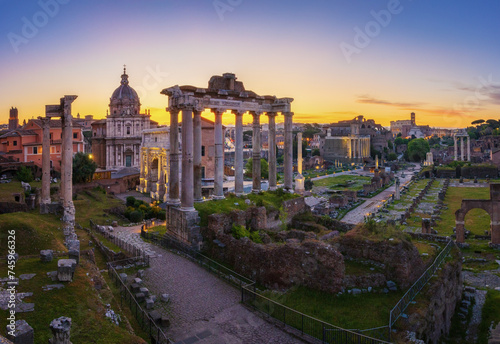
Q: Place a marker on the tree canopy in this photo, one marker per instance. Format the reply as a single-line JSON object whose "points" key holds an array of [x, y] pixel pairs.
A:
{"points": [[417, 149], [264, 168], [83, 168]]}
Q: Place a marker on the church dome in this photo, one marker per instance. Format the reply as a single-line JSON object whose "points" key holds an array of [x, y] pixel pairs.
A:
{"points": [[124, 91], [124, 100]]}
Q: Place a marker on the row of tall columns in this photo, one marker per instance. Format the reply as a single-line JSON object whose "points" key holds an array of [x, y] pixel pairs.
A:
{"points": [[191, 155]]}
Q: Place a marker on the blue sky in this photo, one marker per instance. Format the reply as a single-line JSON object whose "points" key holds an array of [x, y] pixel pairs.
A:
{"points": [[428, 57]]}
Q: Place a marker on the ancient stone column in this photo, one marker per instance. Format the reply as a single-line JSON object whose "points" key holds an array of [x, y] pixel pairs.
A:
{"points": [[67, 145], [45, 201], [288, 161], [299, 180], [376, 162], [173, 179], [462, 148], [460, 231], [397, 195], [219, 157], [271, 139], [360, 148], [468, 148], [197, 155], [238, 155], [256, 149], [61, 328], [187, 196], [455, 147]]}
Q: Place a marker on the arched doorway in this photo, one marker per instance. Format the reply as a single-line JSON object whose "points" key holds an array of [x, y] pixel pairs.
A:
{"points": [[128, 156]]}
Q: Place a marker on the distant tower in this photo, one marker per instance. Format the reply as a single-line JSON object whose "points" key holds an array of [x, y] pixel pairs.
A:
{"points": [[413, 120], [13, 119]]}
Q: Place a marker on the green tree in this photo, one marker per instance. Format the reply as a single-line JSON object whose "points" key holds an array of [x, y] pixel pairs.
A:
{"points": [[417, 149], [316, 152], [309, 130], [308, 184], [392, 156], [83, 168], [24, 174], [264, 168], [477, 121]]}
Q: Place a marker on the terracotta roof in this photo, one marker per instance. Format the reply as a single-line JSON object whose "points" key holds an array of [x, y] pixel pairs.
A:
{"points": [[18, 133], [55, 123]]}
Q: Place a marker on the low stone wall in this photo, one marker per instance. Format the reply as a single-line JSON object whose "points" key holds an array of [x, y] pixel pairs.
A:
{"points": [[278, 266], [12, 207], [480, 171], [401, 259], [445, 173], [441, 299]]}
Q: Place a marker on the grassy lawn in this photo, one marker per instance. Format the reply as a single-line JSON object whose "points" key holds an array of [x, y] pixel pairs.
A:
{"points": [[78, 300], [344, 182], [362, 311], [476, 220], [490, 314], [91, 205], [356, 268]]}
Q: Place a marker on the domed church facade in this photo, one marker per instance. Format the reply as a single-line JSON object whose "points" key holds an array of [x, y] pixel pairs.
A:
{"points": [[121, 133]]}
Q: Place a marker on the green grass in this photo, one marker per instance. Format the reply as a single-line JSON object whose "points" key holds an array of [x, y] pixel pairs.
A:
{"points": [[92, 205], [77, 300], [356, 268], [343, 182], [476, 220], [491, 313], [347, 311]]}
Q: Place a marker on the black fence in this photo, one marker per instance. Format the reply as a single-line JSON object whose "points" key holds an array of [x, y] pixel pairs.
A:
{"points": [[156, 334], [408, 297], [302, 323]]}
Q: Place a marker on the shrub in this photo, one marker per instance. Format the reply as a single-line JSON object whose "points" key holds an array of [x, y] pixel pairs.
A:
{"points": [[24, 174], [162, 215], [239, 232], [136, 216], [130, 201], [255, 237]]}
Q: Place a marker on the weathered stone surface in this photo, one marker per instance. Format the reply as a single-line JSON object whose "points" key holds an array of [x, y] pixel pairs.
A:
{"points": [[402, 261], [23, 333], [46, 256], [134, 288], [441, 299], [61, 328], [165, 297], [123, 277], [310, 263], [26, 276], [145, 291], [149, 303], [374, 280], [65, 269], [140, 297]]}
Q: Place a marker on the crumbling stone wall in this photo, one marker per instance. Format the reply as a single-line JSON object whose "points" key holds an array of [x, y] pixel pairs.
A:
{"points": [[278, 266], [12, 207], [401, 259], [438, 304]]}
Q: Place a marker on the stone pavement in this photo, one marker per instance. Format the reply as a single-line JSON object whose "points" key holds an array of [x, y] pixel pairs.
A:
{"points": [[202, 309], [132, 235]]}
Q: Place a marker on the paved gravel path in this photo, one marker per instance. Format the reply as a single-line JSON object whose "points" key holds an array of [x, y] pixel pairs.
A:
{"points": [[480, 296], [204, 309]]}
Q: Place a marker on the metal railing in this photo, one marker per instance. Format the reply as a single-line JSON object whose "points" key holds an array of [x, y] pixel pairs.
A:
{"points": [[304, 324], [408, 297], [156, 334]]}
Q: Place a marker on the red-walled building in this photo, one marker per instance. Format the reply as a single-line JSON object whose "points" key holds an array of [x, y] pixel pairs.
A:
{"points": [[25, 143]]}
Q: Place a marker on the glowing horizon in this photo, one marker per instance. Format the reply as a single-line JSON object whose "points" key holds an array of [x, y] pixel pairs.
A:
{"points": [[337, 59]]}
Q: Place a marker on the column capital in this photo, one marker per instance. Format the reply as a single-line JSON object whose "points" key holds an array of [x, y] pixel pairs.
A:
{"points": [[256, 113], [217, 111], [288, 113], [173, 109], [239, 112], [45, 122], [271, 114]]}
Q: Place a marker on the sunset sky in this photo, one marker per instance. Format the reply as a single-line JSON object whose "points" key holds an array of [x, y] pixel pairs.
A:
{"points": [[337, 59]]}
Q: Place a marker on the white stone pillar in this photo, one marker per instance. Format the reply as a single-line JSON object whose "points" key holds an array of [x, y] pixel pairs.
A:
{"points": [[197, 142], [299, 181], [468, 148], [173, 179], [238, 155], [455, 147], [288, 161], [187, 196], [45, 201], [271, 139], [67, 130], [462, 148], [256, 149], [360, 147], [219, 157]]}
